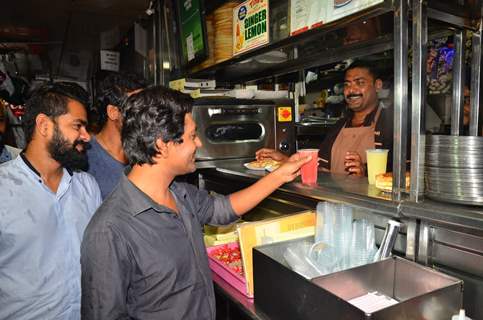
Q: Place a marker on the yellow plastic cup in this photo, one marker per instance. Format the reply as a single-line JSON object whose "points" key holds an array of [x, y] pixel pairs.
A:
{"points": [[376, 163]]}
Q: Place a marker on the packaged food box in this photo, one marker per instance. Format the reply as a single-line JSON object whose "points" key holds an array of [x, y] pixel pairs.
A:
{"points": [[226, 261], [219, 235], [267, 231]]}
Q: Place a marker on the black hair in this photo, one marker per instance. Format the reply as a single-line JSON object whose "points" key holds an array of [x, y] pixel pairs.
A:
{"points": [[152, 114], [51, 100], [369, 66], [112, 88]]}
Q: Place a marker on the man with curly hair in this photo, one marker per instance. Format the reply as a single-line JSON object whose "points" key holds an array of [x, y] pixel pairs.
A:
{"points": [[143, 255]]}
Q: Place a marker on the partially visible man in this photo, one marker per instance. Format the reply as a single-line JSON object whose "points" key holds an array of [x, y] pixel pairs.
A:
{"points": [[106, 155], [45, 205], [368, 124], [143, 255], [7, 152]]}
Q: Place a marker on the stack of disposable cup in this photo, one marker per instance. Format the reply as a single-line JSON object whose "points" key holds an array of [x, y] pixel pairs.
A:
{"points": [[334, 228], [343, 238], [346, 243], [341, 243], [358, 248], [370, 242], [363, 243], [325, 232], [321, 232]]}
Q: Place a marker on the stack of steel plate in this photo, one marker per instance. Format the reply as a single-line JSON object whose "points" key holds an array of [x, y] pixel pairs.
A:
{"points": [[454, 169]]}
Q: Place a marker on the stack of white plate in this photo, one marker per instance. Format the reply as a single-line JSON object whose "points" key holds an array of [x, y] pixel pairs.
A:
{"points": [[454, 169]]}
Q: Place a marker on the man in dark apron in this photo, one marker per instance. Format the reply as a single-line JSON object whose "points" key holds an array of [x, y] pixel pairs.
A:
{"points": [[367, 125]]}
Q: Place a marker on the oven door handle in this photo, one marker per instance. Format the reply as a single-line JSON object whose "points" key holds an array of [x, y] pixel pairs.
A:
{"points": [[233, 111], [214, 111]]}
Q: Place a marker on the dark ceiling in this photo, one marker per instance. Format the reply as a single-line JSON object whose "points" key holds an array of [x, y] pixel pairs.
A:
{"points": [[75, 23]]}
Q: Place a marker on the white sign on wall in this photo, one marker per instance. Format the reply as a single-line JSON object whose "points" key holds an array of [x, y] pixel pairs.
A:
{"points": [[110, 60]]}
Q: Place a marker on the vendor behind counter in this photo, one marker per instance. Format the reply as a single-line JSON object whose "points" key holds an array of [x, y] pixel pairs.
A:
{"points": [[367, 124]]}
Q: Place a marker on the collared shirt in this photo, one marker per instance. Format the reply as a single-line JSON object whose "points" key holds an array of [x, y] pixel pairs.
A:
{"points": [[40, 237], [8, 153], [106, 170], [141, 260]]}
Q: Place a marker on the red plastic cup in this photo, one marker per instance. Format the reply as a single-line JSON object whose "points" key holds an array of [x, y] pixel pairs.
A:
{"points": [[309, 170]]}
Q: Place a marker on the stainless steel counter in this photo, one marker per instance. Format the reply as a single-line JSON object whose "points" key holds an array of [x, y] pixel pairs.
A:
{"points": [[331, 187], [461, 216], [447, 237], [356, 191]]}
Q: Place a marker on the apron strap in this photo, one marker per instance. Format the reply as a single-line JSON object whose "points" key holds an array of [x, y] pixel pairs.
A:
{"points": [[376, 117]]}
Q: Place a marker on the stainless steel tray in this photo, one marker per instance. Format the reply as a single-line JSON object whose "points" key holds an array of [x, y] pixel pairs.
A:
{"points": [[454, 169]]}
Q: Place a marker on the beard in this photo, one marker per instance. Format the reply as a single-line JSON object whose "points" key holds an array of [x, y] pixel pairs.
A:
{"points": [[65, 153]]}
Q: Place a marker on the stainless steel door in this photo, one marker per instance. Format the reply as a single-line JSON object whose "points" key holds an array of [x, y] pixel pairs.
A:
{"points": [[233, 131]]}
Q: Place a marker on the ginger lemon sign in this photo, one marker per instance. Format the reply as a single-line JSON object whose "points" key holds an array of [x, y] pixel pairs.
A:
{"points": [[250, 25]]}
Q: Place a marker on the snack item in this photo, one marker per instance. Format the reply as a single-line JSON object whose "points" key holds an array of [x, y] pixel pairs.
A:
{"points": [[268, 164], [231, 257], [384, 181]]}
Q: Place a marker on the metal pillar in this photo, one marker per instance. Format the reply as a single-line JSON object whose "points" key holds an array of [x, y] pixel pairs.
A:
{"points": [[156, 46], [419, 45], [400, 97], [475, 95], [412, 237], [160, 7], [425, 241], [458, 79]]}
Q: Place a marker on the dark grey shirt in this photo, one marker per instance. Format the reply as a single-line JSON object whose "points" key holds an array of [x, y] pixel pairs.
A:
{"points": [[141, 260]]}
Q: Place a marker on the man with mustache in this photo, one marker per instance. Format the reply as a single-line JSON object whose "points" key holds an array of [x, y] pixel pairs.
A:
{"points": [[45, 205], [107, 160], [6, 152], [368, 124], [143, 255]]}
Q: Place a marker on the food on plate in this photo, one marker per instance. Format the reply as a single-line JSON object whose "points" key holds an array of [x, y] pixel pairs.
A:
{"points": [[229, 256], [265, 163], [384, 181]]}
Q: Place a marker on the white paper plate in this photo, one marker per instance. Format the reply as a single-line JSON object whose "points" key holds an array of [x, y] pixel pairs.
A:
{"points": [[249, 166], [270, 169]]}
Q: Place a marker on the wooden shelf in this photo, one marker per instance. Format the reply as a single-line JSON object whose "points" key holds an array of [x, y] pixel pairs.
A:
{"points": [[317, 35]]}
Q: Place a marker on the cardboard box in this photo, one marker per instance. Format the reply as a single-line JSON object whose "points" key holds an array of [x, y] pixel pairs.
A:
{"points": [[257, 233], [233, 278]]}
